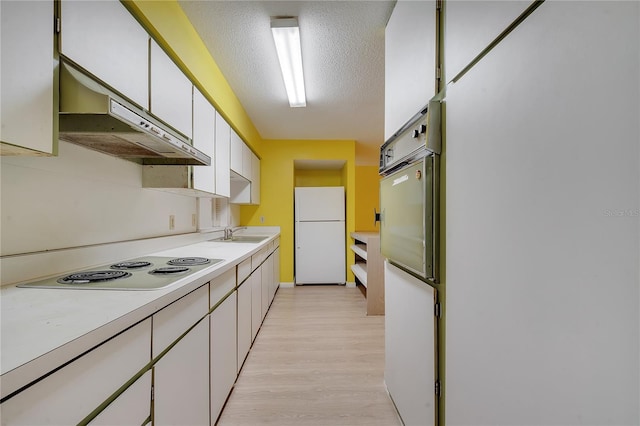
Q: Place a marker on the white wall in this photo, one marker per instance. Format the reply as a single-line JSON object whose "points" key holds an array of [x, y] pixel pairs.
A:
{"points": [[543, 202], [82, 197]]}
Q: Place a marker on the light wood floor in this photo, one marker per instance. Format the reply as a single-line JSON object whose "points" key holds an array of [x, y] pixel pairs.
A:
{"points": [[317, 360]]}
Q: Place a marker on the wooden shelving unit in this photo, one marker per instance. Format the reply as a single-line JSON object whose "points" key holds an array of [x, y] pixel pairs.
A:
{"points": [[368, 269]]}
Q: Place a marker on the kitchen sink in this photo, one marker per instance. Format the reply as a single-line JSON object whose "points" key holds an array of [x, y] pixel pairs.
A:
{"points": [[242, 239]]}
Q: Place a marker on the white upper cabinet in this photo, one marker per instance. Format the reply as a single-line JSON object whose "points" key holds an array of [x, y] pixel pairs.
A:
{"points": [[410, 62], [27, 77], [106, 40], [171, 92], [198, 181], [222, 156], [471, 25], [245, 166], [237, 153], [204, 132], [255, 179], [247, 163]]}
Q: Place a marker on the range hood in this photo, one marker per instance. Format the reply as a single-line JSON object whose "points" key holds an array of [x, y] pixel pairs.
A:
{"points": [[93, 116]]}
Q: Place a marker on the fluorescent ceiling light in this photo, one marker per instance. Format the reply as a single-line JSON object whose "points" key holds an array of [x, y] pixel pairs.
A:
{"points": [[286, 35]]}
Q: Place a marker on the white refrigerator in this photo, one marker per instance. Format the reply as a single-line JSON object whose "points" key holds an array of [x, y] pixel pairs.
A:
{"points": [[320, 235]]}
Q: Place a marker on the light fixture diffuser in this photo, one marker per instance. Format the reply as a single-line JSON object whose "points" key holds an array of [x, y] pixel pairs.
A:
{"points": [[286, 35]]}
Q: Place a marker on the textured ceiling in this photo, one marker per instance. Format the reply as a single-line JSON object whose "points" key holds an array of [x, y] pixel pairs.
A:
{"points": [[343, 60]]}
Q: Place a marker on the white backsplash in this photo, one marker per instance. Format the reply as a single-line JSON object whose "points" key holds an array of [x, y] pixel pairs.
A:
{"points": [[82, 198]]}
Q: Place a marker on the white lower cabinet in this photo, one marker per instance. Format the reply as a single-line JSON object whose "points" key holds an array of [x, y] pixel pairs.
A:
{"points": [[224, 354], [70, 394], [409, 370], [132, 407], [267, 277], [181, 382], [244, 320], [256, 302], [276, 272], [171, 322], [180, 373], [185, 359]]}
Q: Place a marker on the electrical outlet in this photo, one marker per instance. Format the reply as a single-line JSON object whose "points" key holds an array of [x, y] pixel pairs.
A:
{"points": [[172, 222], [194, 220]]}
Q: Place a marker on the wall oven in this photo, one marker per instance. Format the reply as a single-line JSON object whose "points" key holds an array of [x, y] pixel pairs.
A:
{"points": [[409, 193]]}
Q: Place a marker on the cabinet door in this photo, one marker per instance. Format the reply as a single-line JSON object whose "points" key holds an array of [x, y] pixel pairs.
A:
{"points": [[409, 346], [470, 27], [222, 156], [240, 191], [267, 275], [244, 321], [410, 61], [256, 302], [247, 162], [27, 77], [181, 381], [204, 132], [224, 354], [107, 41], [170, 92], [237, 153], [132, 407], [71, 393], [255, 179], [276, 272]]}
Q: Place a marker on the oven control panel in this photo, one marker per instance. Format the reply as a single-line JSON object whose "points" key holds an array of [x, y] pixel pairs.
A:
{"points": [[420, 133]]}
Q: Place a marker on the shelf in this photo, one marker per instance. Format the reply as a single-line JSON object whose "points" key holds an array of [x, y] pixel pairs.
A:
{"points": [[359, 251], [360, 272], [368, 269]]}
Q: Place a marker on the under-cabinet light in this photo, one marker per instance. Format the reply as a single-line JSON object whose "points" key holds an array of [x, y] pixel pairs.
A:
{"points": [[286, 35]]}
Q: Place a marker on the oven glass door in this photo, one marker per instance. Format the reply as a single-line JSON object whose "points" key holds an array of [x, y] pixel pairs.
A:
{"points": [[407, 217]]}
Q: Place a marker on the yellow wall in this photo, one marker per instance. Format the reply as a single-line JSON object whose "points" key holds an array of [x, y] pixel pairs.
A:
{"points": [[318, 177], [278, 177], [367, 197], [171, 28]]}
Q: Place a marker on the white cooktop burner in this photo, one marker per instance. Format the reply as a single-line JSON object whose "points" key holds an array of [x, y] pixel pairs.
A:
{"points": [[145, 273]]}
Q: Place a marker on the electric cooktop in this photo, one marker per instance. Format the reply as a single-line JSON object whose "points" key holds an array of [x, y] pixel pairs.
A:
{"points": [[143, 273]]}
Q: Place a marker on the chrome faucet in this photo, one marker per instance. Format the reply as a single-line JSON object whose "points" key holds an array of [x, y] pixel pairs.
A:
{"points": [[228, 231]]}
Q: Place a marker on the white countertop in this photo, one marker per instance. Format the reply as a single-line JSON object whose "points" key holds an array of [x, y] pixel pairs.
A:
{"points": [[42, 329]]}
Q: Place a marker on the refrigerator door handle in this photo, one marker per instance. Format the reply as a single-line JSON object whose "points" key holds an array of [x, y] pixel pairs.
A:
{"points": [[297, 234]]}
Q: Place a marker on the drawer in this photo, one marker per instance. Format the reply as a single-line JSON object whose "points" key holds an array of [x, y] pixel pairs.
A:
{"points": [[244, 269], [172, 321], [221, 285], [259, 257]]}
